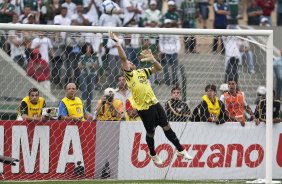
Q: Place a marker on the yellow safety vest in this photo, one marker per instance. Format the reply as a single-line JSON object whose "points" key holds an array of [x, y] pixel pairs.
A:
{"points": [[212, 108], [74, 107], [34, 110]]}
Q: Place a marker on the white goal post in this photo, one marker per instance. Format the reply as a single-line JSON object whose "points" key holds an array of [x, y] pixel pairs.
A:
{"points": [[175, 31]]}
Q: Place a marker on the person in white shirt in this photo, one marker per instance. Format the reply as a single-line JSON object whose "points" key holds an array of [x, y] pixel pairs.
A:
{"points": [[114, 61], [44, 44], [246, 54], [92, 9], [71, 8], [232, 57], [133, 9], [107, 20], [62, 19], [169, 47], [16, 40], [79, 18], [152, 16]]}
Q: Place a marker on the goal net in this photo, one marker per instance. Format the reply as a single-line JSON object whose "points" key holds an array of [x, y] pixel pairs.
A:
{"points": [[50, 57]]}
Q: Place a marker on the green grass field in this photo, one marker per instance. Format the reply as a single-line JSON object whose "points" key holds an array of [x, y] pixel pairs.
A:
{"points": [[123, 181]]}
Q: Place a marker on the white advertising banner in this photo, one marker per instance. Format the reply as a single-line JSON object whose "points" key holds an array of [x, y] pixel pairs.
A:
{"points": [[227, 151]]}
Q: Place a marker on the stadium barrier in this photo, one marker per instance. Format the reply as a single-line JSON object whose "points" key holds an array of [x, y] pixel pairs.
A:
{"points": [[51, 150]]}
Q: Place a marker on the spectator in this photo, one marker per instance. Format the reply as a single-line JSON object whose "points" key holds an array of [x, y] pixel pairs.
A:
{"points": [[79, 18], [223, 88], [24, 17], [171, 14], [133, 10], [71, 107], [42, 13], [57, 62], [39, 69], [170, 47], [277, 67], [17, 48], [279, 12], [152, 16], [189, 13], [109, 108], [246, 54], [91, 8], [122, 93], [88, 64], [31, 19], [211, 109], [221, 11], [234, 11], [264, 22], [7, 9], [114, 61], [31, 107], [33, 4], [261, 92], [260, 111], [71, 8], [232, 57], [204, 11], [236, 104], [176, 109], [109, 20], [74, 42], [44, 44], [254, 13], [62, 19], [53, 9], [131, 114], [267, 7]]}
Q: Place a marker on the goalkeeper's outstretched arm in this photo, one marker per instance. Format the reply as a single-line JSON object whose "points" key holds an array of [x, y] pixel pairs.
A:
{"points": [[147, 55], [124, 62]]}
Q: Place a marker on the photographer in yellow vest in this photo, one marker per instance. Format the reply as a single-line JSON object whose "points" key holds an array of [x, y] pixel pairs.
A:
{"points": [[71, 107], [31, 107], [108, 107]]}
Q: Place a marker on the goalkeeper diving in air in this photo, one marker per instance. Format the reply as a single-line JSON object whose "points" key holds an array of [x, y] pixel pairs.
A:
{"points": [[144, 100]]}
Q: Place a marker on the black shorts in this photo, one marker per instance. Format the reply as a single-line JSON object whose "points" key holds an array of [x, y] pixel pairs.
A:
{"points": [[153, 117]]}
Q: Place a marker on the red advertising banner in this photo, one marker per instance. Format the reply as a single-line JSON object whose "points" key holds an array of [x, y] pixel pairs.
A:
{"points": [[47, 150]]}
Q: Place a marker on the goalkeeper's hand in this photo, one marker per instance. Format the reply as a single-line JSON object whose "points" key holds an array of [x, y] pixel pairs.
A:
{"points": [[147, 56], [113, 36]]}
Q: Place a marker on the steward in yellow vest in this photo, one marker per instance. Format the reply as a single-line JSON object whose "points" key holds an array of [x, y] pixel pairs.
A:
{"points": [[211, 109], [71, 107], [31, 107]]}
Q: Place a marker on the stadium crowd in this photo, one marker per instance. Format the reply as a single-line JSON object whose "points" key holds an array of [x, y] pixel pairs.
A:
{"points": [[86, 56]]}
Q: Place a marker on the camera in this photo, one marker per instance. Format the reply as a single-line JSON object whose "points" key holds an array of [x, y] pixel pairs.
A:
{"points": [[109, 98]]}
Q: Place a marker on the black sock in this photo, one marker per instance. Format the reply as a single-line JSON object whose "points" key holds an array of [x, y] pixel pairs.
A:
{"points": [[151, 145], [170, 135]]}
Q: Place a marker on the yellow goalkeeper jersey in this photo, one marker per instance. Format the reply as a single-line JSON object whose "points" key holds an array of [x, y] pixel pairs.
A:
{"points": [[142, 94]]}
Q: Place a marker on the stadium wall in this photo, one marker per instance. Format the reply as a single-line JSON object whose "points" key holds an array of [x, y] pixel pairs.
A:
{"points": [[50, 150]]}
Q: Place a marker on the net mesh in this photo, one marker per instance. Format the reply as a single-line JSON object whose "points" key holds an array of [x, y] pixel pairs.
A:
{"points": [[91, 62]]}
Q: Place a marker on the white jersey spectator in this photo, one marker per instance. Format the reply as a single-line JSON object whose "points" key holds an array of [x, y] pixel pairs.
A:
{"points": [[44, 44], [93, 10], [152, 16], [107, 20], [133, 8], [231, 46], [169, 44], [79, 18], [71, 8]]}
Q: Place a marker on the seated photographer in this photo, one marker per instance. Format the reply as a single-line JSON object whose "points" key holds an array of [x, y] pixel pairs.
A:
{"points": [[31, 107], [108, 107]]}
